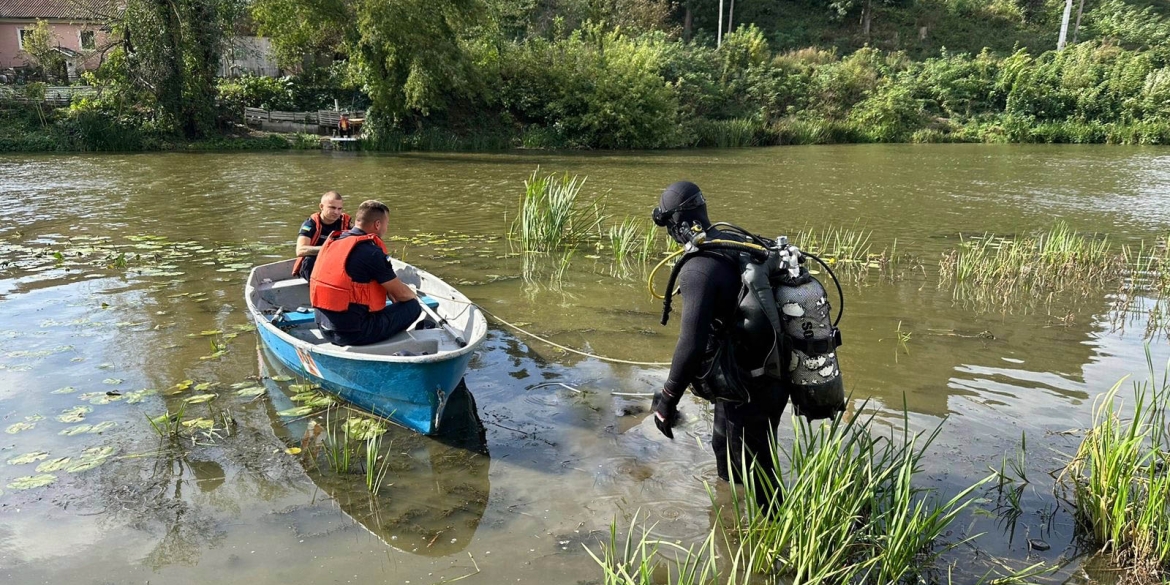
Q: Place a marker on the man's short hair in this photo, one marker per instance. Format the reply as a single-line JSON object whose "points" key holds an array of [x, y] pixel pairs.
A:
{"points": [[330, 196], [370, 211]]}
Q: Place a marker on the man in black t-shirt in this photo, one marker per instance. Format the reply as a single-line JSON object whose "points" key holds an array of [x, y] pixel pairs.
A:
{"points": [[350, 287], [331, 218]]}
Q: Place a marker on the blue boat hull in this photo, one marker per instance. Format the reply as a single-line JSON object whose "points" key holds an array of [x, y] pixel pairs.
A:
{"points": [[410, 394]]}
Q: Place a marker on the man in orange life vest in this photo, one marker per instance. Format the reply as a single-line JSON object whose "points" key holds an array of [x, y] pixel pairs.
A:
{"points": [[353, 280], [331, 218]]}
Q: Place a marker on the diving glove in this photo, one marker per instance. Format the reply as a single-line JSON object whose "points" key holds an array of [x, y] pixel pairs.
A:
{"points": [[665, 411]]}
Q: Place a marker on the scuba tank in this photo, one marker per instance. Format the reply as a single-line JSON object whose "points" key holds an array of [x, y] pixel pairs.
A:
{"points": [[783, 321], [811, 338]]}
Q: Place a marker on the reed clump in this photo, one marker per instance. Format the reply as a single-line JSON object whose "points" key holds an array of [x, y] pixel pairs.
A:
{"points": [[845, 247], [1120, 480], [849, 512], [551, 216]]}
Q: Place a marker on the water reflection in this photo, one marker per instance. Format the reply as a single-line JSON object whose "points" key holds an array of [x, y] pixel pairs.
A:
{"points": [[435, 490]]}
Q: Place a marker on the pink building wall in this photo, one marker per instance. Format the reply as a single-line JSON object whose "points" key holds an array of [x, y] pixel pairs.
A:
{"points": [[66, 34]]}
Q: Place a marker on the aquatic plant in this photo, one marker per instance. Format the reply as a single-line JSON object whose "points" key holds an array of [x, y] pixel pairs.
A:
{"points": [[627, 239], [375, 472], [168, 424], [870, 523], [550, 216], [1120, 485], [336, 443], [842, 246], [991, 269], [629, 562]]}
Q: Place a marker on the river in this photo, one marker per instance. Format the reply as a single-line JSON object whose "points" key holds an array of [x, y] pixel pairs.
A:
{"points": [[119, 272]]}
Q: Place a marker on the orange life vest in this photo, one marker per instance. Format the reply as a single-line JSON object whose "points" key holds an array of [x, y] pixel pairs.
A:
{"points": [[331, 288], [315, 240]]}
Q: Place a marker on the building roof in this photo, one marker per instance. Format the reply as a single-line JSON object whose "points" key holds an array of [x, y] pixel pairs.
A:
{"points": [[57, 9]]}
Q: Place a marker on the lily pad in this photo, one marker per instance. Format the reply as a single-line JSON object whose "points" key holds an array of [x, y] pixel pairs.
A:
{"points": [[184, 385], [28, 458], [100, 398], [113, 381], [75, 414], [298, 411], [18, 427], [250, 391], [76, 430], [102, 427], [138, 395], [300, 388], [200, 423], [282, 378], [200, 398], [29, 482], [210, 332], [53, 465], [202, 386], [364, 429], [89, 459], [65, 390]]}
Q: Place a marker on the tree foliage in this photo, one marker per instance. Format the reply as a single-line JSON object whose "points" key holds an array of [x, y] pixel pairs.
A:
{"points": [[40, 44]]}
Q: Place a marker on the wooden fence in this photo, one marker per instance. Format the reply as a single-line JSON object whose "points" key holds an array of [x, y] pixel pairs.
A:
{"points": [[54, 95], [326, 118]]}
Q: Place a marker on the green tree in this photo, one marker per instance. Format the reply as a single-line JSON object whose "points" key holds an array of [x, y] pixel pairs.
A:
{"points": [[41, 46], [169, 55]]}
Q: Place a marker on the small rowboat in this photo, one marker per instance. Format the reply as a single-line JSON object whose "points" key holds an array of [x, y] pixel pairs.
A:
{"points": [[406, 379]]}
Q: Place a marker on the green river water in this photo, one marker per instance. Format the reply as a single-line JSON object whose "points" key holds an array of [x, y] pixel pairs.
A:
{"points": [[539, 469]]}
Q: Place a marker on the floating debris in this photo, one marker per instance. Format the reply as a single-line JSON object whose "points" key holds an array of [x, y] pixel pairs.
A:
{"points": [[200, 398]]}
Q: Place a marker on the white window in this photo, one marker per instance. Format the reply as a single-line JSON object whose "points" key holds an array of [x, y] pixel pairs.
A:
{"points": [[24, 33], [88, 43]]}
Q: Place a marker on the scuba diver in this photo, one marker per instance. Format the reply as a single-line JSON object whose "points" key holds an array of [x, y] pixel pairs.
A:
{"points": [[755, 331]]}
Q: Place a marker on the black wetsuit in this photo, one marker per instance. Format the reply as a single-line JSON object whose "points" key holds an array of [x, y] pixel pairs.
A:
{"points": [[710, 286]]}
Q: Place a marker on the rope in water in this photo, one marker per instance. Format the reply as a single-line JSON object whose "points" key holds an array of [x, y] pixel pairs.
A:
{"points": [[549, 341]]}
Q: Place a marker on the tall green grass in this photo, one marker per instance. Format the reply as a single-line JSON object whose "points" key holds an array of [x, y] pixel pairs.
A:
{"points": [[551, 217], [628, 239], [850, 512], [1059, 259], [1121, 479]]}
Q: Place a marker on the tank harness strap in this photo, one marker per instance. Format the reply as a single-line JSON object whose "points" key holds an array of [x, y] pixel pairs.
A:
{"points": [[818, 346]]}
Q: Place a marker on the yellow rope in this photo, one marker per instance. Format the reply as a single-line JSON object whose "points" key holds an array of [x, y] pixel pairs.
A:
{"points": [[548, 341]]}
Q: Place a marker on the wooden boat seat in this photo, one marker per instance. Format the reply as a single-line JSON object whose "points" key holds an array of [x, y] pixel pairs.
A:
{"points": [[422, 342], [289, 293]]}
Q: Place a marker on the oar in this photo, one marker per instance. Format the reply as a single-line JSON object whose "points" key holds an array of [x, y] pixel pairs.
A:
{"points": [[442, 321]]}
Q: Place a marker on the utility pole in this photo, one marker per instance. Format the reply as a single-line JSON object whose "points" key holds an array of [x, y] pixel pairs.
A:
{"points": [[719, 31], [1064, 25], [1077, 28]]}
